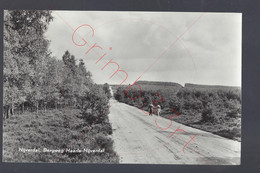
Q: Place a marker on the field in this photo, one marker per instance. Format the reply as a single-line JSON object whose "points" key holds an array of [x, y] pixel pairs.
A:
{"points": [[56, 129], [215, 109]]}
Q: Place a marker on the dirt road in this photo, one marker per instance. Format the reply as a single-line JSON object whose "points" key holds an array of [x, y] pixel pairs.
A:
{"points": [[139, 140]]}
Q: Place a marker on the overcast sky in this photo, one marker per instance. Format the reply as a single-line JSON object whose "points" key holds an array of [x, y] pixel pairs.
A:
{"points": [[209, 52]]}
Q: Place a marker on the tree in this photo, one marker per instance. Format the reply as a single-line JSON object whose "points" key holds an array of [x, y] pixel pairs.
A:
{"points": [[69, 78], [107, 91], [95, 109], [24, 44]]}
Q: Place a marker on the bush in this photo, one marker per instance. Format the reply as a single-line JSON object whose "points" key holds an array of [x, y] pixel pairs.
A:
{"points": [[230, 133], [233, 113], [118, 96], [207, 115], [96, 108], [175, 104], [104, 142], [104, 128], [107, 90]]}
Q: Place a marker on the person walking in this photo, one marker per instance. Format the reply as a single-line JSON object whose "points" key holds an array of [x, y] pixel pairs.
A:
{"points": [[150, 109], [159, 110]]}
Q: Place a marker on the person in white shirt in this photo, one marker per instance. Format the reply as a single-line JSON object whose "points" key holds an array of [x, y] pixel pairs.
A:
{"points": [[158, 110]]}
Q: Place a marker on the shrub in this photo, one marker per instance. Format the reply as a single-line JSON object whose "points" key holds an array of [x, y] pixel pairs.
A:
{"points": [[234, 108], [232, 95], [230, 133], [207, 115], [104, 142], [104, 128], [107, 90], [118, 96], [175, 104], [233, 113], [95, 109]]}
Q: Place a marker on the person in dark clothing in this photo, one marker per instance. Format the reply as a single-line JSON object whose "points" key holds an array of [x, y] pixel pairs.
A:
{"points": [[150, 109]]}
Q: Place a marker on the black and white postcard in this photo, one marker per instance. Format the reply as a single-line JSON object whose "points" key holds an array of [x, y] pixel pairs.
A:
{"points": [[122, 87]]}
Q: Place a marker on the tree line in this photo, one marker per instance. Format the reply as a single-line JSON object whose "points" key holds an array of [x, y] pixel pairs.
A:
{"points": [[211, 104], [33, 79]]}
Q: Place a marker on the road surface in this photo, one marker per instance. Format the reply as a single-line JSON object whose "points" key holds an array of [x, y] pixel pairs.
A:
{"points": [[139, 140]]}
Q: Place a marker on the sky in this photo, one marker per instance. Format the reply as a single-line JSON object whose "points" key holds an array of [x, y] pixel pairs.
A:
{"points": [[181, 47]]}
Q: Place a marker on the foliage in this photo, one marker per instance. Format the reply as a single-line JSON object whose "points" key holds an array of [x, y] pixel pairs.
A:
{"points": [[56, 129], [107, 90], [230, 133], [207, 115], [175, 104], [95, 106], [36, 82], [33, 79], [25, 57], [202, 107]]}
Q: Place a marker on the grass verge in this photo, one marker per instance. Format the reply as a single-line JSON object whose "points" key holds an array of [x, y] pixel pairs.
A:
{"points": [[56, 130]]}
